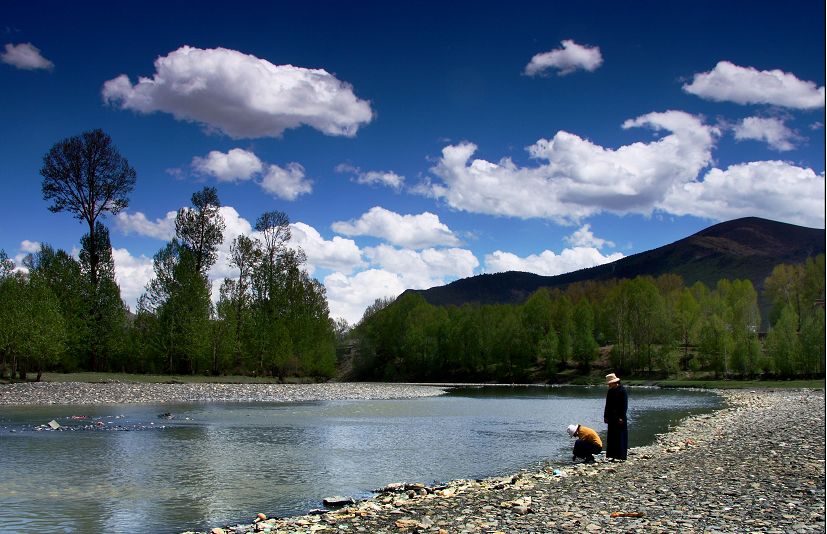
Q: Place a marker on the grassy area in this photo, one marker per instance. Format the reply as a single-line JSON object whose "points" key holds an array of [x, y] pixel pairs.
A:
{"points": [[154, 379], [572, 379], [730, 384]]}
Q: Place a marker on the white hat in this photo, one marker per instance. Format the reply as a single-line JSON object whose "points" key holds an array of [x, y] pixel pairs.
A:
{"points": [[571, 430], [611, 378]]}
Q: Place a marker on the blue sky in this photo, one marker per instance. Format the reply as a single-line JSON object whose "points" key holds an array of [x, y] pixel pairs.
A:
{"points": [[414, 143]]}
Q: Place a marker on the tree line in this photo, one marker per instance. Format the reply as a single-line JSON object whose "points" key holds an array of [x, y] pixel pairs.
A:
{"points": [[644, 326], [65, 313]]}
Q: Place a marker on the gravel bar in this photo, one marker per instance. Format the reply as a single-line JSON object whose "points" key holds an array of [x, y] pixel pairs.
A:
{"points": [[28, 393], [756, 465]]}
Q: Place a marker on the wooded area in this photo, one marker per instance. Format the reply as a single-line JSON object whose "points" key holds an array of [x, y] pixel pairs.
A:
{"points": [[641, 327], [62, 313]]}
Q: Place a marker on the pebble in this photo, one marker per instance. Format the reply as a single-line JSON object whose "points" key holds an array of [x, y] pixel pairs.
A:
{"points": [[26, 393]]}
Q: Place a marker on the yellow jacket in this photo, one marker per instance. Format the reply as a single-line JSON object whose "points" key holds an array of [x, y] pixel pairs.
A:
{"points": [[587, 434]]}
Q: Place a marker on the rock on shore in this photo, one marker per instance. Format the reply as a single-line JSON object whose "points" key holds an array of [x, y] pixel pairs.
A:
{"points": [[129, 393], [755, 466]]}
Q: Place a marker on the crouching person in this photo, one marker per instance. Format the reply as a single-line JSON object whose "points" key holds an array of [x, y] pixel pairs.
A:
{"points": [[587, 445]]}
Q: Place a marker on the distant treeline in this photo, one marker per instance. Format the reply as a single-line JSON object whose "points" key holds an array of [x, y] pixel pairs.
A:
{"points": [[272, 320], [643, 326]]}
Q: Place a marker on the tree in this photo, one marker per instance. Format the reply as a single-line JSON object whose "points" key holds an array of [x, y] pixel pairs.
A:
{"points": [[32, 330], [86, 176], [201, 228], [687, 314], [63, 275], [107, 324], [783, 346], [584, 346]]}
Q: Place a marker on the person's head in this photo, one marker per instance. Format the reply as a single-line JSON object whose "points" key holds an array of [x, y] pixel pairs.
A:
{"points": [[572, 430], [612, 380]]}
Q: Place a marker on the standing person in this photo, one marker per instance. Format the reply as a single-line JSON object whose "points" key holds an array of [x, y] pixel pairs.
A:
{"points": [[587, 445], [614, 415]]}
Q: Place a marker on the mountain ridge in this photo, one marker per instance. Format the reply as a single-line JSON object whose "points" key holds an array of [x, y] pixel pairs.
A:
{"points": [[745, 248]]}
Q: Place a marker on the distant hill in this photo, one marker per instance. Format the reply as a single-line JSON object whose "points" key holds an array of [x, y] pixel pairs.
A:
{"points": [[745, 248]]}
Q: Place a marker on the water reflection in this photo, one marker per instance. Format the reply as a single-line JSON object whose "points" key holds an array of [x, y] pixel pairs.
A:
{"points": [[217, 464]]}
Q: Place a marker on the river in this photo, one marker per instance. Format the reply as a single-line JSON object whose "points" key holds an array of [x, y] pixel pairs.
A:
{"points": [[121, 468]]}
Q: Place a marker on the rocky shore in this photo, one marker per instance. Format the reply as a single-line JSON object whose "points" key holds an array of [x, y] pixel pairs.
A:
{"points": [[130, 393], [757, 465]]}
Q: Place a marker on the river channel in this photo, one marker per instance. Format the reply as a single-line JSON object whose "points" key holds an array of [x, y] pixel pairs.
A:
{"points": [[177, 467]]}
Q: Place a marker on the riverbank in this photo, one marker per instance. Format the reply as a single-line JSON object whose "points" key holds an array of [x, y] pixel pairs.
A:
{"points": [[757, 465], [34, 393]]}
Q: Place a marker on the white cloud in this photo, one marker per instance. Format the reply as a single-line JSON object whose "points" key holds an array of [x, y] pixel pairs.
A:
{"points": [[234, 226], [26, 247], [236, 165], [239, 165], [770, 130], [137, 223], [29, 247], [584, 237], [772, 189], [349, 296], [25, 56], [566, 60], [337, 254], [397, 270], [580, 178], [386, 178], [288, 182], [746, 85], [548, 263], [242, 95], [132, 275], [411, 231], [427, 268]]}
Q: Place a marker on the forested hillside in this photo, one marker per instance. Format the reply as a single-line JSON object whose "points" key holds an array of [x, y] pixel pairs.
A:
{"points": [[747, 248], [644, 326]]}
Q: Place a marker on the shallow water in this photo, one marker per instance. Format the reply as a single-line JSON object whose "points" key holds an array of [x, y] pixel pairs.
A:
{"points": [[122, 467]]}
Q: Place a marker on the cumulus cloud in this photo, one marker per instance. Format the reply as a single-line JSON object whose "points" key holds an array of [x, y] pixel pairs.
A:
{"points": [[566, 60], [137, 223], [410, 231], [584, 237], [239, 165], [132, 275], [386, 178], [772, 189], [242, 95], [236, 165], [349, 296], [25, 56], [425, 268], [728, 82], [576, 178], [772, 131], [548, 263], [337, 254], [393, 271], [286, 182]]}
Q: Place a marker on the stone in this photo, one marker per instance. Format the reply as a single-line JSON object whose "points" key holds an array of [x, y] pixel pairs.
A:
{"points": [[338, 501]]}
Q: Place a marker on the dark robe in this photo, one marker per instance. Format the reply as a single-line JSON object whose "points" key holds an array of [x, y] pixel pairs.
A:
{"points": [[614, 415]]}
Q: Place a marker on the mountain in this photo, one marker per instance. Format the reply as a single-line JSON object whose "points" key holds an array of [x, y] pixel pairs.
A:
{"points": [[745, 248]]}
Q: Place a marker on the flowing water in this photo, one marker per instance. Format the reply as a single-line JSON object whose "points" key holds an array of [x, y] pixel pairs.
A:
{"points": [[121, 468]]}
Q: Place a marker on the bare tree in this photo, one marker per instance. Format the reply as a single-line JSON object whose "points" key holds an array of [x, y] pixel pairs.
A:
{"points": [[86, 176]]}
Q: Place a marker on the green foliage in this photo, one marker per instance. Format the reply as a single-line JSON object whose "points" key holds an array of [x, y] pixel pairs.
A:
{"points": [[783, 345], [32, 329], [653, 326]]}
